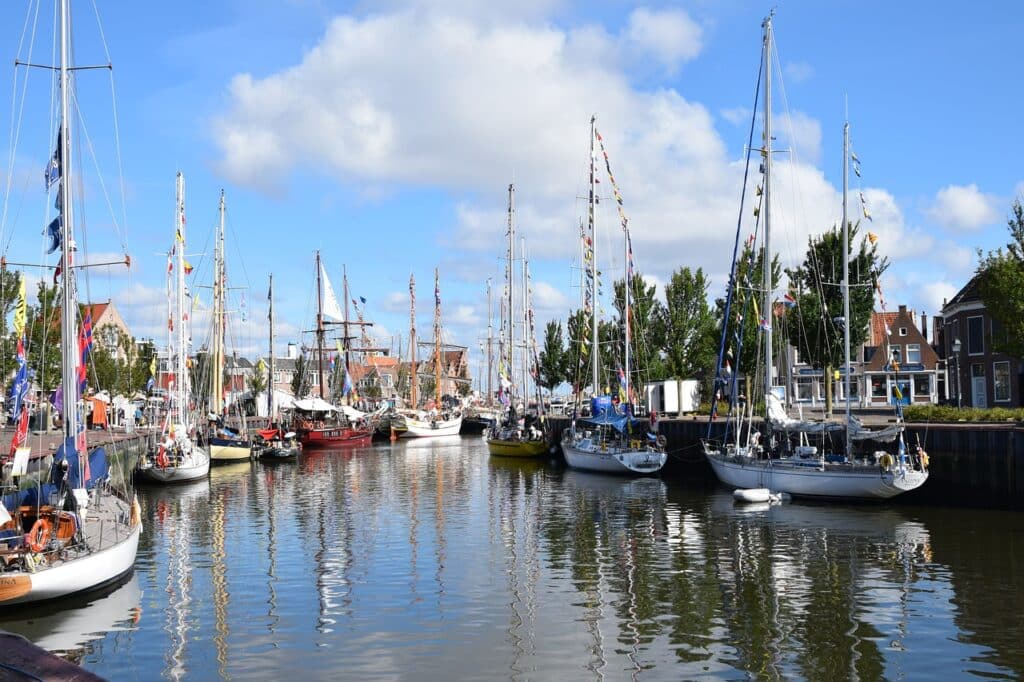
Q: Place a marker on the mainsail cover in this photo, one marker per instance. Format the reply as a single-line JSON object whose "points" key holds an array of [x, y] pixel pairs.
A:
{"points": [[859, 432], [780, 420]]}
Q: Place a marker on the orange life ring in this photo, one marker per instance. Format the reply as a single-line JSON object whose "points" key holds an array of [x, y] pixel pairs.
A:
{"points": [[161, 457], [39, 537]]}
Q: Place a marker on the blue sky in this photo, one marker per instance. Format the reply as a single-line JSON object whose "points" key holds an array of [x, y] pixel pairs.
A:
{"points": [[385, 134]]}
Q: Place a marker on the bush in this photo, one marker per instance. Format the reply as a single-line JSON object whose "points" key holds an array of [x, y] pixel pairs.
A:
{"points": [[945, 413]]}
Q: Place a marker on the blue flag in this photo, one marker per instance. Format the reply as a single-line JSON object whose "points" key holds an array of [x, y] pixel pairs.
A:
{"points": [[53, 167], [53, 232]]}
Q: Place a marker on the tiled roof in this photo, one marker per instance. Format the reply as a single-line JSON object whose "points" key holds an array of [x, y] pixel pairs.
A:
{"points": [[878, 324]]}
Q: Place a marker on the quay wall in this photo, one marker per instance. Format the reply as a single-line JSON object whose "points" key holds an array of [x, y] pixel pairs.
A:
{"points": [[971, 465]]}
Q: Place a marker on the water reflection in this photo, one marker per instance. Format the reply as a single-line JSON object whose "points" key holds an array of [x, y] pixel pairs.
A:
{"points": [[428, 558]]}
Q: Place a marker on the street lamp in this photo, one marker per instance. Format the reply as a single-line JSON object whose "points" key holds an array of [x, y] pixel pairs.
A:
{"points": [[956, 366]]}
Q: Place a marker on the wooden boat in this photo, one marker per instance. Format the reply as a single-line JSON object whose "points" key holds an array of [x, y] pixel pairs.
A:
{"points": [[80, 531], [176, 458]]}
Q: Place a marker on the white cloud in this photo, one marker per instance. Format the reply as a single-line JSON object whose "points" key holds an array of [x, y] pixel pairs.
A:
{"points": [[964, 207], [736, 115], [671, 36], [798, 72]]}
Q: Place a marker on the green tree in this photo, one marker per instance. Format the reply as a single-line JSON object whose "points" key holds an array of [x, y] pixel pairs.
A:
{"points": [[815, 324], [9, 284], [257, 382], [1000, 277], [300, 380], [577, 366], [43, 346], [691, 341], [553, 358], [427, 387], [647, 327]]}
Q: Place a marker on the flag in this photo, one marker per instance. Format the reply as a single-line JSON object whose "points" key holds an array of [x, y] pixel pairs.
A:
{"points": [[19, 387], [152, 366], [188, 268], [150, 382], [20, 310], [347, 386], [340, 347], [52, 173], [84, 346], [788, 300], [362, 300], [872, 237], [897, 392], [261, 366], [53, 232], [21, 431]]}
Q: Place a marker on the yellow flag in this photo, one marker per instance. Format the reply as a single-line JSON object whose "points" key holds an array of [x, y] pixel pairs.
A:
{"points": [[152, 367], [341, 347], [260, 366], [20, 310]]}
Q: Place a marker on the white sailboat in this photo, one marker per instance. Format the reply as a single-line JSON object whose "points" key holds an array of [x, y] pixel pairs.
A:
{"points": [[610, 440], [80, 531], [437, 419], [176, 458], [783, 460]]}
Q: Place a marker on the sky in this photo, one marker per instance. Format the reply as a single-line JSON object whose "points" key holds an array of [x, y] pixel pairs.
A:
{"points": [[385, 135]]}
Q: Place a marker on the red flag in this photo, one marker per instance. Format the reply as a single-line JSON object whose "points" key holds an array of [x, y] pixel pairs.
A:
{"points": [[21, 432]]}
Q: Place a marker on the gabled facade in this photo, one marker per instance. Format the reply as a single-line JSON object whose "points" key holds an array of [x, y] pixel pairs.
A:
{"points": [[900, 365], [979, 376]]}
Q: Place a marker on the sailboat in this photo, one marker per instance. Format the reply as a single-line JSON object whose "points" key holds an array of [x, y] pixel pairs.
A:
{"points": [[317, 422], [610, 439], [517, 434], [273, 442], [437, 419], [81, 530], [176, 458], [783, 459], [226, 444]]}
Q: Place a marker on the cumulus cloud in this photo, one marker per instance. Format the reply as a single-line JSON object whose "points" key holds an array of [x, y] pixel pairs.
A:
{"points": [[670, 36], [964, 207]]}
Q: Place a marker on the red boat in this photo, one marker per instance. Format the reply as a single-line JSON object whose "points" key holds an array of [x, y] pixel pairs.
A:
{"points": [[313, 435]]}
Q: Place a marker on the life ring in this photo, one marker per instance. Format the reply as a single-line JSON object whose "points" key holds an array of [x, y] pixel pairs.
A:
{"points": [[661, 440], [39, 537], [161, 457], [886, 461]]}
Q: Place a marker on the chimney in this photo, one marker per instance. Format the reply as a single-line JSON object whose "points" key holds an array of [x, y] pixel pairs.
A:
{"points": [[293, 351], [924, 325]]}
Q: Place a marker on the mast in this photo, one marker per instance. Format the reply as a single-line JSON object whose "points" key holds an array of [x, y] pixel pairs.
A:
{"points": [[180, 351], [319, 325], [437, 340], [69, 298], [490, 342], [626, 288], [270, 375], [524, 370], [510, 369], [216, 400], [594, 349], [412, 341], [766, 261], [846, 279], [344, 292]]}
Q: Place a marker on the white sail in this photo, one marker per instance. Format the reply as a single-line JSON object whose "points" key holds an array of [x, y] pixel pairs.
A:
{"points": [[331, 309]]}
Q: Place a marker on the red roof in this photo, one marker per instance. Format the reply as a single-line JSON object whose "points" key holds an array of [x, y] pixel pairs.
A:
{"points": [[878, 324]]}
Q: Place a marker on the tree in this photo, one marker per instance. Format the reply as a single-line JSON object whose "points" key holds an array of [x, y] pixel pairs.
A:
{"points": [[691, 332], [43, 344], [300, 380], [9, 285], [553, 359], [257, 382], [647, 326], [577, 364], [1001, 286], [815, 323]]}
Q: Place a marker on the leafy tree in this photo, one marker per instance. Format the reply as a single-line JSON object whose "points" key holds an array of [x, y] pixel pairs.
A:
{"points": [[9, 284], [577, 366], [647, 326], [1001, 286], [199, 375], [300, 380], [815, 324], [427, 387], [43, 346], [691, 335], [553, 359], [257, 382]]}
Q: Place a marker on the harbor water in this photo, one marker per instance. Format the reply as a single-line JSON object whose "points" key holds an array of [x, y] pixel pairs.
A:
{"points": [[428, 559]]}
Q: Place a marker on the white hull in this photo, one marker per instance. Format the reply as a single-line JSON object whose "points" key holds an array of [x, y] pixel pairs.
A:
{"points": [[195, 467], [808, 479], [415, 428], [587, 455], [98, 568]]}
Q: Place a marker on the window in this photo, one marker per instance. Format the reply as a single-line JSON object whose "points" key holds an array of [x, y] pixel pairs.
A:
{"points": [[975, 336], [804, 389], [913, 352], [1001, 381], [922, 385], [896, 353], [386, 380], [903, 331], [878, 387]]}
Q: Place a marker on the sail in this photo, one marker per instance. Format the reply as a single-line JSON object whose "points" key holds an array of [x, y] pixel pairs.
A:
{"points": [[780, 420], [331, 308], [859, 432]]}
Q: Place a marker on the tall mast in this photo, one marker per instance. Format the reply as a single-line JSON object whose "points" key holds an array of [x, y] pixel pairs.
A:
{"points": [[767, 260], [69, 298], [412, 341], [510, 369], [594, 348], [319, 325], [216, 400], [523, 369], [344, 292], [846, 279], [628, 285], [437, 339], [270, 370], [180, 351], [490, 341]]}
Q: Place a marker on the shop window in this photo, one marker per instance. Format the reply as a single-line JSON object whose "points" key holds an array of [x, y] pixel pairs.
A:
{"points": [[922, 385], [878, 387]]}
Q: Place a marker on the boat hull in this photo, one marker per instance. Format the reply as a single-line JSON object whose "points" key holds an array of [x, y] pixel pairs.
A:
{"points": [[415, 428], [334, 437], [228, 451], [174, 474], [587, 455], [93, 571], [516, 448], [809, 480]]}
